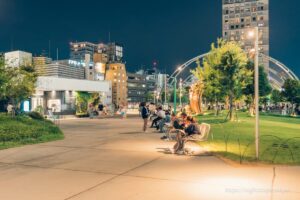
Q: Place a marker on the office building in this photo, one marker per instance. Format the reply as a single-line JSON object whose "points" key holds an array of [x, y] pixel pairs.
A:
{"points": [[240, 17], [18, 58], [116, 73], [137, 88], [62, 68], [112, 51], [79, 50], [115, 52], [40, 63]]}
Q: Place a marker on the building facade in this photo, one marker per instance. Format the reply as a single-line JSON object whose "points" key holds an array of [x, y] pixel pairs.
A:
{"points": [[137, 88], [116, 73], [112, 51], [59, 94], [240, 17], [62, 69], [18, 58]]}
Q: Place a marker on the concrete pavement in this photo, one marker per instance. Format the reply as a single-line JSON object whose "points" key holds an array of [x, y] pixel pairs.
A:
{"points": [[111, 159]]}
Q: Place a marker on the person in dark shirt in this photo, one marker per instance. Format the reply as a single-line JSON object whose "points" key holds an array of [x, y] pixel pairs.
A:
{"points": [[191, 129], [145, 115]]}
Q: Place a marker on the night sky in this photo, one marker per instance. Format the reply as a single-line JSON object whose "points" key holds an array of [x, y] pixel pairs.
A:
{"points": [[169, 32]]}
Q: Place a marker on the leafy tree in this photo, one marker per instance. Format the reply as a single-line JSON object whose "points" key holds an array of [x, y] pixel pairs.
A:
{"points": [[234, 75], [3, 79], [265, 88], [276, 96], [291, 91], [17, 83], [213, 91]]}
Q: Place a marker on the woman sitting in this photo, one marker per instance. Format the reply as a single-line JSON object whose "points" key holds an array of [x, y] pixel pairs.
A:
{"points": [[191, 129]]}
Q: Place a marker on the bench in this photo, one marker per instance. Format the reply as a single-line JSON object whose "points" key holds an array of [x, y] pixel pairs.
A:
{"points": [[205, 132]]}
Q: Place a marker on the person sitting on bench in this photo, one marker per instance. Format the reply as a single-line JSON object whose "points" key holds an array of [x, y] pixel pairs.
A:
{"points": [[160, 115], [191, 129]]}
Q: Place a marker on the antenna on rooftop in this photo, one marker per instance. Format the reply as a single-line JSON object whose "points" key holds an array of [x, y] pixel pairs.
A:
{"points": [[109, 36]]}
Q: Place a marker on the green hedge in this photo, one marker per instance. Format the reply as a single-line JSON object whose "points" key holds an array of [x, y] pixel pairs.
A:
{"points": [[24, 129]]}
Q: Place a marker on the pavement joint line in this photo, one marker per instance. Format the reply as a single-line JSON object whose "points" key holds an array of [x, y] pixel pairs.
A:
{"points": [[57, 168], [99, 148], [122, 174], [42, 157], [97, 172]]}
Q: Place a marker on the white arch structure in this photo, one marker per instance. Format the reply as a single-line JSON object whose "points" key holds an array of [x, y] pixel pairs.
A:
{"points": [[276, 76]]}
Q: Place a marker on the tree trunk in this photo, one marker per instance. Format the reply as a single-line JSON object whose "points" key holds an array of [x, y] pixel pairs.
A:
{"points": [[231, 116], [200, 102]]}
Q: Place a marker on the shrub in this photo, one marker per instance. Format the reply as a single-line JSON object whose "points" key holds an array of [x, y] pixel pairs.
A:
{"points": [[36, 115]]}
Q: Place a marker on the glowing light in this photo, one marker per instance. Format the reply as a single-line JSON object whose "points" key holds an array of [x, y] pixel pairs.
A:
{"points": [[251, 34]]}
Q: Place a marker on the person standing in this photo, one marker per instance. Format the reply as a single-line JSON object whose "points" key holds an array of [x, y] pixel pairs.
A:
{"points": [[145, 116]]}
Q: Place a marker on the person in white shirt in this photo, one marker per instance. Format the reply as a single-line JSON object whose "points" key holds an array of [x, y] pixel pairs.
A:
{"points": [[160, 115]]}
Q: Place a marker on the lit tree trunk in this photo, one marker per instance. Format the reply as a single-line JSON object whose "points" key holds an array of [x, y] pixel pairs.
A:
{"points": [[200, 102]]}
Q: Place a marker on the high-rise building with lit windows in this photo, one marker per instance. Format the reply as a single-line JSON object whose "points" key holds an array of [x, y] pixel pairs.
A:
{"points": [[240, 16]]}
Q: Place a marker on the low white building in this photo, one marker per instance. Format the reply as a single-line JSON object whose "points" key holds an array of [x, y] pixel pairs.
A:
{"points": [[59, 94], [18, 58]]}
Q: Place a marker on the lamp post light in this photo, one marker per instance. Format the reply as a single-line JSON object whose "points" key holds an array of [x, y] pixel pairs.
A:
{"points": [[175, 87], [180, 92], [254, 34]]}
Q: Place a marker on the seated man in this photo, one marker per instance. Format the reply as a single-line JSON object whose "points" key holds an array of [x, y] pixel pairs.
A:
{"points": [[162, 122], [191, 129], [176, 124], [160, 115]]}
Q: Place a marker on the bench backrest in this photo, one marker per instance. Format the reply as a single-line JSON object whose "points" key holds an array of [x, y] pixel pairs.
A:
{"points": [[205, 130]]}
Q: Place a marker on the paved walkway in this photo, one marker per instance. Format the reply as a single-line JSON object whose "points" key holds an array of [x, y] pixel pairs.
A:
{"points": [[110, 159]]}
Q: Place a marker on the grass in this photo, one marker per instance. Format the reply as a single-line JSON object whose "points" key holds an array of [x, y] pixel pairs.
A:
{"points": [[279, 138], [23, 130]]}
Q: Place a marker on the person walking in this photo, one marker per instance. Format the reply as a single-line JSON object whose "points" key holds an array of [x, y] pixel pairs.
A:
{"points": [[145, 116]]}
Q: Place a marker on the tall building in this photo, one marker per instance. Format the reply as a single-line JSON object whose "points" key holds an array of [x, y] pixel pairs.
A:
{"points": [[115, 52], [18, 58], [79, 50], [116, 73], [137, 87], [240, 16]]}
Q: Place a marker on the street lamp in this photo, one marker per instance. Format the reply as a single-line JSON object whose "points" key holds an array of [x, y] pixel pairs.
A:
{"points": [[254, 34], [175, 87], [180, 92]]}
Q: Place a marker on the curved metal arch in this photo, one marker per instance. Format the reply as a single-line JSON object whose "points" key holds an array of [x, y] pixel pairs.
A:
{"points": [[273, 60], [185, 65], [282, 66]]}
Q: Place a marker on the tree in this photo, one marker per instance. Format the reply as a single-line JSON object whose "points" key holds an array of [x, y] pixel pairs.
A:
{"points": [[213, 91], [17, 83], [3, 80], [234, 75], [291, 91], [264, 87], [276, 96]]}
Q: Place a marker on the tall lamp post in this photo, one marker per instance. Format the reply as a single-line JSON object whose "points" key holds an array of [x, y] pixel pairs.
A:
{"points": [[175, 86], [180, 92], [254, 34]]}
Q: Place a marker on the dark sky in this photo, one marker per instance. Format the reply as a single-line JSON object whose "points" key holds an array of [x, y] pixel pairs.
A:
{"points": [[170, 32]]}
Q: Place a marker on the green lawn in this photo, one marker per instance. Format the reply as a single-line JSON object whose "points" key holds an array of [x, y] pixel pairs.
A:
{"points": [[23, 130], [279, 138]]}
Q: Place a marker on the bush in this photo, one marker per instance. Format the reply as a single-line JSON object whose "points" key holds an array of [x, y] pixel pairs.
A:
{"points": [[26, 129], [36, 115]]}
